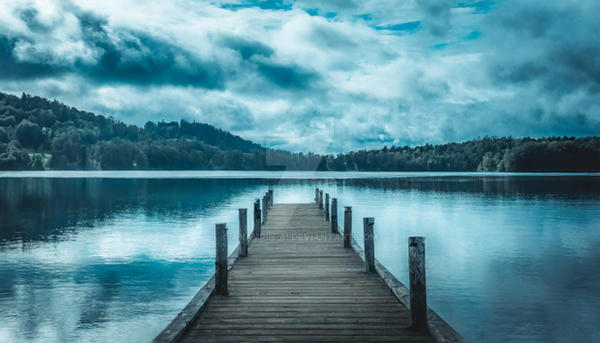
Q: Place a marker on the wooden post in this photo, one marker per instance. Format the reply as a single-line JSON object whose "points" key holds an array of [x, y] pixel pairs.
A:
{"points": [[243, 219], [221, 260], [321, 199], [268, 203], [369, 244], [327, 207], [334, 215], [318, 198], [270, 198], [256, 218], [418, 294], [347, 227], [317, 195], [264, 209]]}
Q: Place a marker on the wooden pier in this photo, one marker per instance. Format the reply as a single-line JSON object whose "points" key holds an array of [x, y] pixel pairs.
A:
{"points": [[302, 281]]}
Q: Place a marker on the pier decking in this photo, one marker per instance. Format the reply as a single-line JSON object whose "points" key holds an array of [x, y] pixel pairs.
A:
{"points": [[298, 279], [298, 284]]}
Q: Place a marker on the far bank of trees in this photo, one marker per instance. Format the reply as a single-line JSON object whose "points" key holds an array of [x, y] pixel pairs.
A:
{"points": [[38, 134]]}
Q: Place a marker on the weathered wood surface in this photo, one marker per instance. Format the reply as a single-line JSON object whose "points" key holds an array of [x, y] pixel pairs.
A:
{"points": [[418, 296], [298, 284], [221, 260]]}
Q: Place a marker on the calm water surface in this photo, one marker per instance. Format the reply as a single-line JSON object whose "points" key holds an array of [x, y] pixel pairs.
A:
{"points": [[113, 256]]}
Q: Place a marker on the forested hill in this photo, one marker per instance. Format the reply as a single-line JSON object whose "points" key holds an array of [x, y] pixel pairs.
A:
{"points": [[39, 134]]}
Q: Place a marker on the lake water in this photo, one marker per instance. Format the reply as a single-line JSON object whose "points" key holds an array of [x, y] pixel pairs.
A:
{"points": [[114, 256]]}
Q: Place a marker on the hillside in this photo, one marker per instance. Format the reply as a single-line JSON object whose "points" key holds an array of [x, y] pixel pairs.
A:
{"points": [[37, 134]]}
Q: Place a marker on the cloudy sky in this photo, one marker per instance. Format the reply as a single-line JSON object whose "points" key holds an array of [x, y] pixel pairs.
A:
{"points": [[322, 76]]}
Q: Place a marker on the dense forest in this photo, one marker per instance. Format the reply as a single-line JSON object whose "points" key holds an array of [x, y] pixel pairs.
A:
{"points": [[37, 134]]}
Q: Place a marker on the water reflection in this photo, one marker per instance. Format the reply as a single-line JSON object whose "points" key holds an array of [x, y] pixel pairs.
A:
{"points": [[44, 209], [104, 259], [98, 259]]}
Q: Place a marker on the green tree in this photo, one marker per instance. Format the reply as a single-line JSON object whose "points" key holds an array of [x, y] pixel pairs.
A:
{"points": [[29, 134]]}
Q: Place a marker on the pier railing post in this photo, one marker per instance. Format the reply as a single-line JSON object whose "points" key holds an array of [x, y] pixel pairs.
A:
{"points": [[256, 229], [368, 224], [418, 294], [243, 219], [347, 227], [334, 215], [270, 198], [320, 198], [264, 209], [317, 195], [221, 260], [327, 207], [267, 201]]}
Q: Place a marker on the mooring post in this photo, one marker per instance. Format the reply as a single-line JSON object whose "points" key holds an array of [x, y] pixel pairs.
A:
{"points": [[320, 198], [264, 209], [317, 195], [327, 207], [243, 219], [418, 291], [334, 216], [221, 260], [270, 198], [268, 206], [347, 227], [256, 229], [368, 224]]}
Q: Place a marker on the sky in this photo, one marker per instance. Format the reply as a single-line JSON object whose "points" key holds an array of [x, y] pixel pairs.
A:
{"points": [[322, 76]]}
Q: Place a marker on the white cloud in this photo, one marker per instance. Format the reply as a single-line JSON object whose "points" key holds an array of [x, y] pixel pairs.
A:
{"points": [[328, 82]]}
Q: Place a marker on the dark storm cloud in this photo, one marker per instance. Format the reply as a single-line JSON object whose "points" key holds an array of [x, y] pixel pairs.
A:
{"points": [[123, 57], [13, 69], [287, 76], [558, 46], [521, 73], [260, 57], [138, 58], [245, 47], [29, 17], [436, 15]]}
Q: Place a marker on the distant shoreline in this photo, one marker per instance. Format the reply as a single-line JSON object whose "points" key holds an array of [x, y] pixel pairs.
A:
{"points": [[37, 134]]}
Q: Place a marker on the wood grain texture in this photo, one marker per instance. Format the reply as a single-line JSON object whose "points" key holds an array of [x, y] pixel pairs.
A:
{"points": [[347, 227], [299, 284], [243, 233], [221, 259], [369, 244], [418, 294]]}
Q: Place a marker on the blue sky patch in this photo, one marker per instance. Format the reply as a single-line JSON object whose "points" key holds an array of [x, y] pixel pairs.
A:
{"points": [[408, 27], [472, 35], [479, 6], [365, 16], [439, 46], [313, 12], [262, 4]]}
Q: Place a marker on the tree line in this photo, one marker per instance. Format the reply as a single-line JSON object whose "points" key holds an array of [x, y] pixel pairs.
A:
{"points": [[38, 134]]}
